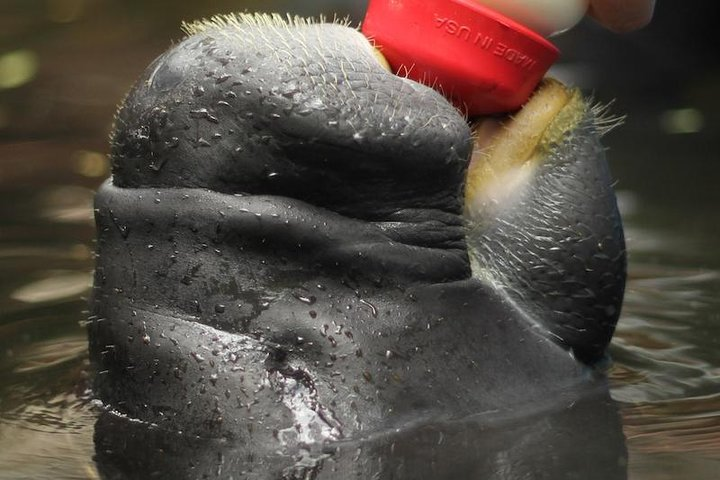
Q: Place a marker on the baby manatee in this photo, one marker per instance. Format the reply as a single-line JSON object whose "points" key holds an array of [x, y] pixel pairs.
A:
{"points": [[308, 266]]}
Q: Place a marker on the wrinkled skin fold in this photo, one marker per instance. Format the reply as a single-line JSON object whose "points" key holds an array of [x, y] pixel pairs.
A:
{"points": [[293, 280]]}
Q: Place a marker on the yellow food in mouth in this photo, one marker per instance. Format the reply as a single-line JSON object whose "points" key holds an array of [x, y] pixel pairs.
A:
{"points": [[381, 58], [507, 152]]}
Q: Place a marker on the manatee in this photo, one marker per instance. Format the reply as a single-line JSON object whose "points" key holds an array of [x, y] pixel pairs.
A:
{"points": [[308, 267]]}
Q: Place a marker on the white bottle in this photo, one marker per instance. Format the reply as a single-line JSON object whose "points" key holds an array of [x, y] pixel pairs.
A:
{"points": [[546, 17]]}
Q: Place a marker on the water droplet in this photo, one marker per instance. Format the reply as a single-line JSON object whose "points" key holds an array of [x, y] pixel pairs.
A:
{"points": [[308, 300], [198, 90], [123, 229], [373, 310], [203, 113], [223, 78]]}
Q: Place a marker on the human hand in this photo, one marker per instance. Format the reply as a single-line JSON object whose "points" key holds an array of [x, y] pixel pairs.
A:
{"points": [[622, 16]]}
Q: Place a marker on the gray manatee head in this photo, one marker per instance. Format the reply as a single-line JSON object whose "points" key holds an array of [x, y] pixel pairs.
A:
{"points": [[298, 247]]}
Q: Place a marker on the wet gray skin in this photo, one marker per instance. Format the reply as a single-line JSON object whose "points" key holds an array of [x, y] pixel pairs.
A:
{"points": [[284, 285]]}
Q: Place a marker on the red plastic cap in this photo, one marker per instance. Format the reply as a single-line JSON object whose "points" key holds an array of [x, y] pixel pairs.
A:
{"points": [[481, 60]]}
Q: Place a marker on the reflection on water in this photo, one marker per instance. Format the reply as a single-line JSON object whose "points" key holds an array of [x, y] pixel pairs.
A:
{"points": [[666, 374], [666, 371], [45, 420], [56, 285]]}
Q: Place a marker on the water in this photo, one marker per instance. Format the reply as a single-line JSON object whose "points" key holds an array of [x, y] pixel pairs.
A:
{"points": [[45, 256], [666, 371]]}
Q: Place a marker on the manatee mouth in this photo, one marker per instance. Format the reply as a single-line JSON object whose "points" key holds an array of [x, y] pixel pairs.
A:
{"points": [[507, 152]]}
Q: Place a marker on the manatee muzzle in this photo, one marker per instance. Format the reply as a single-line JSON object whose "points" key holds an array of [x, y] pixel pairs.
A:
{"points": [[284, 208]]}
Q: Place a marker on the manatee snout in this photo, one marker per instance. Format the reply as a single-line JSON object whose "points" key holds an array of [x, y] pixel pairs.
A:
{"points": [[339, 246]]}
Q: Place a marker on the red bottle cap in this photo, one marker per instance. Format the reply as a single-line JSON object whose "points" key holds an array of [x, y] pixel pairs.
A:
{"points": [[481, 60]]}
